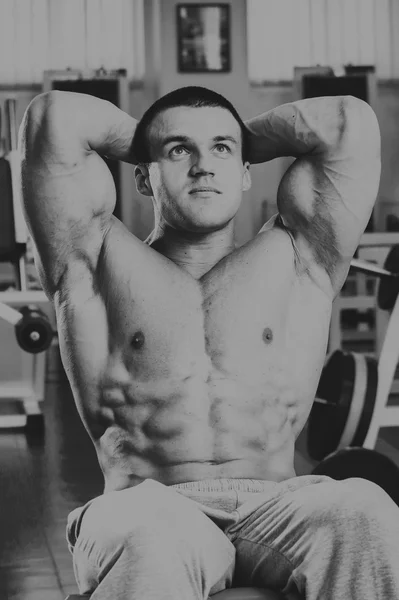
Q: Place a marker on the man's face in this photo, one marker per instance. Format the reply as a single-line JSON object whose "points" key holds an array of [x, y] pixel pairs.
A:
{"points": [[193, 149]]}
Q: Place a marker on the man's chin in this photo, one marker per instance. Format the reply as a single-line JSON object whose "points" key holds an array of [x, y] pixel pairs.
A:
{"points": [[206, 221], [206, 227]]}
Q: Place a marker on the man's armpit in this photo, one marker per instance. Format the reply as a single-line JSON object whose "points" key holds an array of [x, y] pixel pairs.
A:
{"points": [[319, 236]]}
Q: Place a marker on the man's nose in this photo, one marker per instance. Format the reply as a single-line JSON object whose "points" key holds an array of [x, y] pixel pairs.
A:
{"points": [[202, 164]]}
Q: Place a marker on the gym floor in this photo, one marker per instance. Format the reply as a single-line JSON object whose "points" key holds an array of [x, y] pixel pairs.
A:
{"points": [[40, 483]]}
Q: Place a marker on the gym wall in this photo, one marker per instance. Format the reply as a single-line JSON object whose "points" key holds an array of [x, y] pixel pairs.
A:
{"points": [[252, 100], [162, 75]]}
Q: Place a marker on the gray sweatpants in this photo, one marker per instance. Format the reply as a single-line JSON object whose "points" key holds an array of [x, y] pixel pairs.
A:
{"points": [[310, 537]]}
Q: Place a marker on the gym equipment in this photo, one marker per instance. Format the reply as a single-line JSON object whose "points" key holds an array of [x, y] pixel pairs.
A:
{"points": [[352, 318], [365, 463], [351, 398], [22, 384], [8, 248], [22, 374], [33, 331], [359, 295], [32, 327], [230, 594], [18, 242], [344, 405], [388, 289]]}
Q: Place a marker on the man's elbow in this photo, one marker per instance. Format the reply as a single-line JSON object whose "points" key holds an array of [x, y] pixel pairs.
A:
{"points": [[361, 130], [44, 106], [50, 121], [39, 115]]}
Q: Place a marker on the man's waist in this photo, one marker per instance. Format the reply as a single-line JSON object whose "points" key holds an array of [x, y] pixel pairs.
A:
{"points": [[239, 475]]}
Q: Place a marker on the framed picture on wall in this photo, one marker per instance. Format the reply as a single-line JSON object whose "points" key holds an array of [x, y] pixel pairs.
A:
{"points": [[203, 38]]}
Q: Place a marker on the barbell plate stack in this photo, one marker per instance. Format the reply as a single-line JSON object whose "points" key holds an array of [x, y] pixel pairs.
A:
{"points": [[327, 420], [356, 406], [348, 390], [368, 400]]}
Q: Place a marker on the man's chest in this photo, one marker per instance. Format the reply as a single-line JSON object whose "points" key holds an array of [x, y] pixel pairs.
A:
{"points": [[243, 316], [250, 328]]}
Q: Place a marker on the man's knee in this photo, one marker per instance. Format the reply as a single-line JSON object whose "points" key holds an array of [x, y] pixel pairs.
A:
{"points": [[371, 501], [117, 517], [154, 524], [349, 504], [151, 513]]}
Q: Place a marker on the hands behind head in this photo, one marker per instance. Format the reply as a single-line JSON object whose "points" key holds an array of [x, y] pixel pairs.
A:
{"points": [[261, 148], [270, 134]]}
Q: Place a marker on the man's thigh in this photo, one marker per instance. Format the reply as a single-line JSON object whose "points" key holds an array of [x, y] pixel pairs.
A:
{"points": [[292, 532], [153, 514]]}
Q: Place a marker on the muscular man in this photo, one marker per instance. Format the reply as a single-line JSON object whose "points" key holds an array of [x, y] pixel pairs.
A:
{"points": [[194, 364]]}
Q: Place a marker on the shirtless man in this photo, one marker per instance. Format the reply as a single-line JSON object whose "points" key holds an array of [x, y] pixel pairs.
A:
{"points": [[194, 364]]}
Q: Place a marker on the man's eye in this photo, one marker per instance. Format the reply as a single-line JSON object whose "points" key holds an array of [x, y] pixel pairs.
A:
{"points": [[224, 146], [176, 150]]}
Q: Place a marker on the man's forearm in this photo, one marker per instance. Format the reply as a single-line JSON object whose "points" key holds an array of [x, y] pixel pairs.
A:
{"points": [[77, 123], [310, 126]]}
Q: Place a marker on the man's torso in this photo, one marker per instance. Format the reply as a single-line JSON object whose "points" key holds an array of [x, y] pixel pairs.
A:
{"points": [[178, 379]]}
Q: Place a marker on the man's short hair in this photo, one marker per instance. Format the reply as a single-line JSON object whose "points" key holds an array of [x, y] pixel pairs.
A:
{"points": [[193, 96]]}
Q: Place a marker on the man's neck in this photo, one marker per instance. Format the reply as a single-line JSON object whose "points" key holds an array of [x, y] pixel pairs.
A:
{"points": [[195, 252]]}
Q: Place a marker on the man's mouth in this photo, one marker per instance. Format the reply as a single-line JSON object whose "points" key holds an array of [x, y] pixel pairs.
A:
{"points": [[204, 189]]}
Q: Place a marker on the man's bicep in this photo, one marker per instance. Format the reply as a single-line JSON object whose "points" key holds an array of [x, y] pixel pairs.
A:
{"points": [[326, 201]]}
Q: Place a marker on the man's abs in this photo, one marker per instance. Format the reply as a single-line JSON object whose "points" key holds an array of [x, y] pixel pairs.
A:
{"points": [[193, 429], [178, 379]]}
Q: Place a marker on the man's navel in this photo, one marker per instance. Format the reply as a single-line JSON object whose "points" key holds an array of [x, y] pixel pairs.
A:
{"points": [[138, 340], [267, 335]]}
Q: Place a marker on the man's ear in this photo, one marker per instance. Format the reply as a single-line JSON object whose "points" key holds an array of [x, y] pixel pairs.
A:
{"points": [[142, 177], [246, 178]]}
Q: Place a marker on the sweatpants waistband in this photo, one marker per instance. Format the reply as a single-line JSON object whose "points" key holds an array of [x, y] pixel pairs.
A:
{"points": [[226, 485]]}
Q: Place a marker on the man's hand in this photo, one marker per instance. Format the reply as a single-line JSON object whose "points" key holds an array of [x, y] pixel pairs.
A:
{"points": [[81, 122], [310, 126]]}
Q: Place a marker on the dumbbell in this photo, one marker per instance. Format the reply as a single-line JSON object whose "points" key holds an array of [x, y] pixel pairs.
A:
{"points": [[32, 327]]}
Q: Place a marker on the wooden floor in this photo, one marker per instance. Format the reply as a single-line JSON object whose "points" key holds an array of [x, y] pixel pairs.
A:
{"points": [[40, 483]]}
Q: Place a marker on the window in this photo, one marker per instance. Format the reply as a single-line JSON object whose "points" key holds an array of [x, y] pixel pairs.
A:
{"points": [[283, 34], [36, 35]]}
